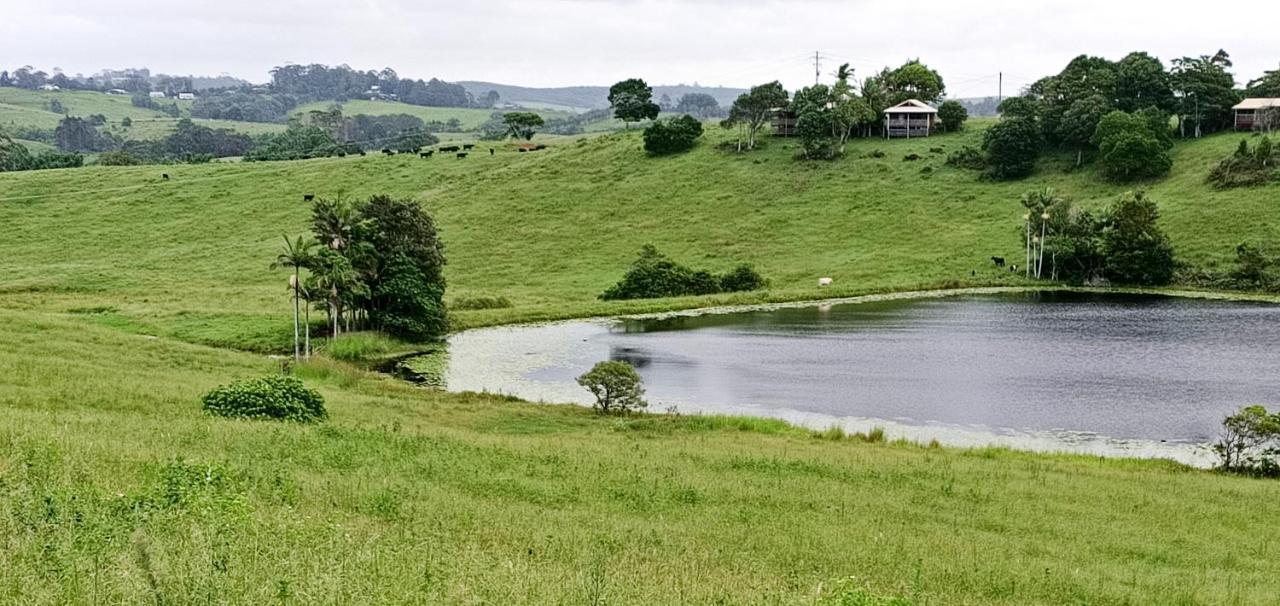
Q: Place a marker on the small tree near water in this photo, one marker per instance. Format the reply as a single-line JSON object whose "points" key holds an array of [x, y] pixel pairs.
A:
{"points": [[1250, 442], [616, 386]]}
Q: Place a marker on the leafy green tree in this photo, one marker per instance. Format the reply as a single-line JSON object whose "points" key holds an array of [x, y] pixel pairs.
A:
{"points": [[1204, 92], [1129, 149], [295, 255], [700, 105], [405, 268], [632, 101], [297, 142], [521, 125], [845, 109], [1080, 122], [814, 121], [752, 109], [1250, 442], [953, 116], [77, 135], [13, 155], [1142, 82], [1267, 85], [1012, 147], [1085, 77], [672, 135], [1019, 107], [616, 386], [913, 80], [1137, 251]]}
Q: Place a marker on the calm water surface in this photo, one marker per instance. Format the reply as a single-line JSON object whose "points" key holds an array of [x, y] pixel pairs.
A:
{"points": [[1081, 372]]}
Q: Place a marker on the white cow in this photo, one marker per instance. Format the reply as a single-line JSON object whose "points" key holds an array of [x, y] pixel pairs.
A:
{"points": [[824, 281]]}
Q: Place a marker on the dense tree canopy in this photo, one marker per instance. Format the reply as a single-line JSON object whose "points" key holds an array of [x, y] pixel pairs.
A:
{"points": [[672, 135], [1012, 147], [700, 105], [632, 101], [752, 109], [521, 125]]}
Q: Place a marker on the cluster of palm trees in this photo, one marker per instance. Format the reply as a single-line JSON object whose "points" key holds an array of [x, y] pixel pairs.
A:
{"points": [[332, 279]]}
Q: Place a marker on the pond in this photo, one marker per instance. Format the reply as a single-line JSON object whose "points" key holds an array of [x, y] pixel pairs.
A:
{"points": [[1085, 372]]}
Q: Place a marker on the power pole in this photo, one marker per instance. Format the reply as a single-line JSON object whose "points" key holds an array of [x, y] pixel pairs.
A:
{"points": [[1000, 90], [817, 68]]}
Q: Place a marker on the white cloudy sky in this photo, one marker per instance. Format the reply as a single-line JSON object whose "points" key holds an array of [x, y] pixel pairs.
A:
{"points": [[564, 42]]}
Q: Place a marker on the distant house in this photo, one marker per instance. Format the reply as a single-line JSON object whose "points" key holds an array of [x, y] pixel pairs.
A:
{"points": [[186, 96], [1258, 112], [784, 122], [155, 94], [118, 92], [911, 118], [50, 87]]}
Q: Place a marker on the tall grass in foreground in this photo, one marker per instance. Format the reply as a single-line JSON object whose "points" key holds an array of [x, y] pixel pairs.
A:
{"points": [[116, 488]]}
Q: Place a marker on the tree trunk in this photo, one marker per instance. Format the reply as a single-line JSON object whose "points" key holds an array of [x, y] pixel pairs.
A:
{"points": [[296, 353], [306, 349]]}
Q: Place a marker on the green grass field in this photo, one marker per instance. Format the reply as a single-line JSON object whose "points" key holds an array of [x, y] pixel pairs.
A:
{"points": [[125, 297]]}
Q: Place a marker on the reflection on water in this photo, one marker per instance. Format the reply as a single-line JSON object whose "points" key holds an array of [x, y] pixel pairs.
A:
{"points": [[1075, 370]]}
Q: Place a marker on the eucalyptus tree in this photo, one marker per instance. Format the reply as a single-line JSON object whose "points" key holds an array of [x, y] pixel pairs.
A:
{"points": [[753, 109]]}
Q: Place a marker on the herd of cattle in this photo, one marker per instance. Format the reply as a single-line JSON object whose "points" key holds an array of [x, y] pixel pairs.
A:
{"points": [[461, 151]]}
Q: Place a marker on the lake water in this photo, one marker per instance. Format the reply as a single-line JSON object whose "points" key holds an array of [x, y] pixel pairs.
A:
{"points": [[1103, 374]]}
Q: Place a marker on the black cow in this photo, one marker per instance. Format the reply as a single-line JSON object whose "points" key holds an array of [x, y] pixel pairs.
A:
{"points": [[522, 150], [540, 146], [468, 146], [387, 152], [462, 155], [448, 149], [362, 152], [164, 176], [999, 261], [308, 197], [490, 151], [425, 154]]}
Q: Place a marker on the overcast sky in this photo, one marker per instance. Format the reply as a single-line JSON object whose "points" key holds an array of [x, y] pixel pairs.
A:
{"points": [[566, 42]]}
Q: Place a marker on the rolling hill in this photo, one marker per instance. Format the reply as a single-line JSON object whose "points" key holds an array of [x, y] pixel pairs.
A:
{"points": [[125, 296], [550, 231]]}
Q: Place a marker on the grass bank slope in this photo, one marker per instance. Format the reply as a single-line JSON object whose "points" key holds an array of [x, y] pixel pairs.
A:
{"points": [[551, 230], [117, 489]]}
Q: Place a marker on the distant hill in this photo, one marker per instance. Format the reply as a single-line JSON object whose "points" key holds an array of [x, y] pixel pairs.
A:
{"points": [[980, 107], [583, 98]]}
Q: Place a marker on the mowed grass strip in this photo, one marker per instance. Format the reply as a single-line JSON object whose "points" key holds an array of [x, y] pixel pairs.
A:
{"points": [[117, 489]]}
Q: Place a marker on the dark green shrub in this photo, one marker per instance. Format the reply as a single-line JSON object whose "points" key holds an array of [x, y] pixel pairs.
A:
{"points": [[967, 157], [1136, 250], [118, 157], [1133, 146], [1012, 147], [672, 135], [953, 116], [741, 278], [653, 275], [480, 303], [1250, 442], [1247, 168], [281, 398]]}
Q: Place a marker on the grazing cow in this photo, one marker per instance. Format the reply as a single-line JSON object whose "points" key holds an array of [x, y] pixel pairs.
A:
{"points": [[387, 152], [522, 150], [540, 146], [462, 155], [490, 151], [164, 176], [308, 197], [449, 149], [999, 261], [362, 152], [468, 146], [425, 154], [824, 281]]}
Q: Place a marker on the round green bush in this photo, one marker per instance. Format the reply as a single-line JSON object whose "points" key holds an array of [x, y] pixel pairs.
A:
{"points": [[280, 398]]}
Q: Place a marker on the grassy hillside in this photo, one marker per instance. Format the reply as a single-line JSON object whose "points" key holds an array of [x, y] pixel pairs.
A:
{"points": [[551, 230], [468, 117], [115, 488], [118, 490], [29, 109]]}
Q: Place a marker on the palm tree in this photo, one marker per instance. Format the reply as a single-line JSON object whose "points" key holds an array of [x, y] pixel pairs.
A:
{"points": [[295, 254]]}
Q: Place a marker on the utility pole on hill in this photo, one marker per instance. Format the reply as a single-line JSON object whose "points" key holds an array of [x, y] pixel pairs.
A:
{"points": [[1000, 90], [817, 68]]}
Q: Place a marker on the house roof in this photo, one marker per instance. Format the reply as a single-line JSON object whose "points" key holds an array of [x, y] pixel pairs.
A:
{"points": [[911, 106], [1258, 103]]}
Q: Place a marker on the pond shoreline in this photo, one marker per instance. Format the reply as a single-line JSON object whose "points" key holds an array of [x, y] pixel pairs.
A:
{"points": [[1195, 453]]}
